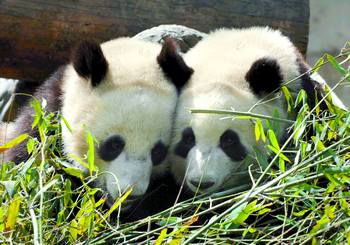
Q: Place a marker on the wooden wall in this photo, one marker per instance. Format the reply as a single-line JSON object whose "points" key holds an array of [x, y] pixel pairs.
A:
{"points": [[36, 35]]}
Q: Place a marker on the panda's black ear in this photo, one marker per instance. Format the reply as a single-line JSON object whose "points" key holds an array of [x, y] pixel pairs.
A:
{"points": [[89, 62], [264, 76], [173, 64]]}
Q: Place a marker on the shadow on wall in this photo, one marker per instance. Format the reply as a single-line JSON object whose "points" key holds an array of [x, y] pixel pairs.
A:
{"points": [[329, 32]]}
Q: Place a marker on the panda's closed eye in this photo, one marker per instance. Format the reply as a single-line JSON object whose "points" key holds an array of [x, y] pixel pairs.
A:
{"points": [[158, 153], [111, 148], [232, 146], [186, 143]]}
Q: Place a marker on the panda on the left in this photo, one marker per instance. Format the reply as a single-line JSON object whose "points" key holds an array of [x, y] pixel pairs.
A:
{"points": [[124, 92]]}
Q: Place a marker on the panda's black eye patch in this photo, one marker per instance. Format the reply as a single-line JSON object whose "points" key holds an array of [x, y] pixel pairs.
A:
{"points": [[264, 76], [186, 143], [111, 148], [232, 146], [158, 153]]}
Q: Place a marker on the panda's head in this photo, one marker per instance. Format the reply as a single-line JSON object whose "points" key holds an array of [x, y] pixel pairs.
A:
{"points": [[233, 69], [124, 93]]}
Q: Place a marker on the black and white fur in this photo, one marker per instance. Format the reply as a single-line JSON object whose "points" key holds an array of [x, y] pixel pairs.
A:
{"points": [[233, 68], [124, 92]]}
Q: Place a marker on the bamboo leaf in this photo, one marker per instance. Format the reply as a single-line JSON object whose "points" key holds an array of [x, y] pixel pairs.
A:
{"points": [[300, 97], [161, 237], [12, 214], [273, 139], [45, 188], [282, 164], [66, 124], [13, 142], [318, 64], [73, 230], [280, 154], [288, 97], [38, 112], [76, 172], [91, 153], [261, 157], [250, 230], [236, 212], [30, 146], [67, 198], [264, 211], [257, 129], [117, 203], [338, 67], [169, 221], [300, 213], [179, 234]]}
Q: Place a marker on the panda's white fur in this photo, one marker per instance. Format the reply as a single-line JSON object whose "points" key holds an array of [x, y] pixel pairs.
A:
{"points": [[135, 100], [126, 90], [220, 63]]}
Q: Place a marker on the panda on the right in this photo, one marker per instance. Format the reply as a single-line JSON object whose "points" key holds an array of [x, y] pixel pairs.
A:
{"points": [[243, 70]]}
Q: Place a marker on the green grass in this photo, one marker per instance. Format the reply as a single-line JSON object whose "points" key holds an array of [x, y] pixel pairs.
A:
{"points": [[301, 196]]}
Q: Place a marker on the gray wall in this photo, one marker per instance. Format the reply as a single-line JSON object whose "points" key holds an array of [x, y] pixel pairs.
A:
{"points": [[329, 31]]}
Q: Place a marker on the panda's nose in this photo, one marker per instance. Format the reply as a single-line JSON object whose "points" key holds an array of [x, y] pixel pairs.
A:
{"points": [[203, 185]]}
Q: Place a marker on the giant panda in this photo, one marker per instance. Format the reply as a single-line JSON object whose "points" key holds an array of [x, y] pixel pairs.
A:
{"points": [[233, 68], [124, 92]]}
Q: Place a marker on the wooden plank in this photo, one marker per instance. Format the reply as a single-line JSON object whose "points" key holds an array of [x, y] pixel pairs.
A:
{"points": [[36, 35]]}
